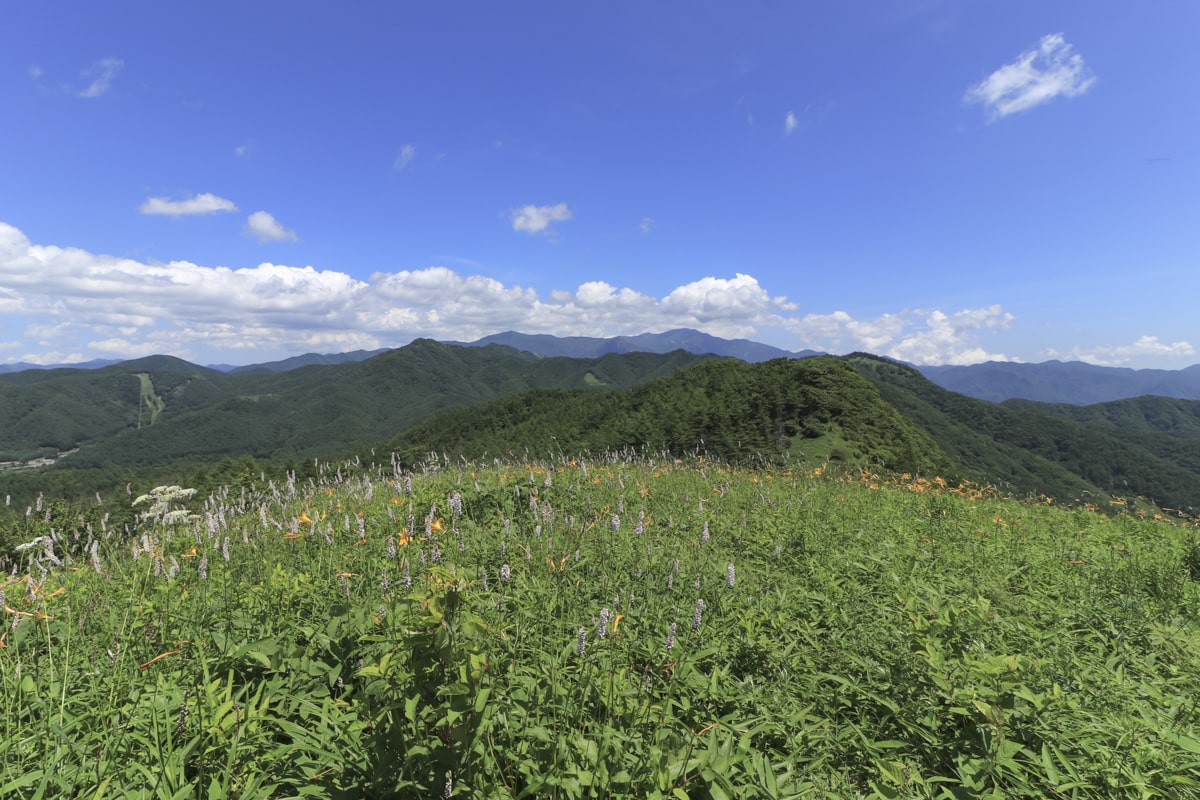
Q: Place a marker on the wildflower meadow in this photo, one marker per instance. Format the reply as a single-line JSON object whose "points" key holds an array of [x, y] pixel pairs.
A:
{"points": [[616, 626]]}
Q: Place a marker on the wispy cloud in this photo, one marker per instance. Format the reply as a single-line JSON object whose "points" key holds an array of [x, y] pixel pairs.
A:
{"points": [[1037, 76], [35, 71], [100, 76], [1121, 355], [266, 228], [646, 225], [744, 105], [407, 154], [206, 203], [537, 219], [790, 122], [61, 301]]}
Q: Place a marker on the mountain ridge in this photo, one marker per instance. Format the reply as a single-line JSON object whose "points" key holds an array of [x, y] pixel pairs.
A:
{"points": [[161, 414], [1071, 382], [317, 410]]}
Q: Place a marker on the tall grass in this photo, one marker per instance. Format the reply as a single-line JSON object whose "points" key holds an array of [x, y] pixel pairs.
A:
{"points": [[618, 627]]}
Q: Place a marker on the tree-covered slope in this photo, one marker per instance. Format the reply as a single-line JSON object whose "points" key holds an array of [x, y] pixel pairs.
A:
{"points": [[815, 409], [44, 412], [1163, 426], [327, 410], [1028, 450], [1153, 414]]}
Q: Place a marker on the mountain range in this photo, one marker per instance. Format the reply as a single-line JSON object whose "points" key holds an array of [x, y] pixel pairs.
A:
{"points": [[159, 416], [1064, 381], [1070, 382], [162, 410]]}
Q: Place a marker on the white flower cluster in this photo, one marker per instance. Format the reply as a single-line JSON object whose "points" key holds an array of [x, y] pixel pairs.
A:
{"points": [[162, 500]]}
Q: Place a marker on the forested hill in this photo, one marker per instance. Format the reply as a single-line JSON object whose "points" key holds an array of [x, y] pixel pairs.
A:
{"points": [[1165, 426], [1031, 448], [855, 410], [162, 416], [812, 410], [162, 410]]}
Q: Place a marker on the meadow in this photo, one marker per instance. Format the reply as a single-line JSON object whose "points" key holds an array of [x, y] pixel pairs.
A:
{"points": [[617, 626]]}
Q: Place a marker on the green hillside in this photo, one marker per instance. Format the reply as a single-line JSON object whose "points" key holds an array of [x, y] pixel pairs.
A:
{"points": [[860, 410], [143, 420], [1165, 427], [813, 410], [1029, 451], [46, 412], [162, 410], [1150, 414]]}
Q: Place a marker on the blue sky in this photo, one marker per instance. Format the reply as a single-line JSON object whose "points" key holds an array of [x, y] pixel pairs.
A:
{"points": [[942, 182]]}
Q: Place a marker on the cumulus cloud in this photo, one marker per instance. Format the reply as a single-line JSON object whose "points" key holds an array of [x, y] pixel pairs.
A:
{"points": [[740, 299], [100, 76], [917, 336], [790, 122], [206, 203], [951, 338], [1038, 76], [266, 228], [407, 154], [537, 219], [59, 301], [1121, 355]]}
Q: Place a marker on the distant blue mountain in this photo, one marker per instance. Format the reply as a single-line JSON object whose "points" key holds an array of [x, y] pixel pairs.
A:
{"points": [[97, 363], [685, 339], [1072, 382], [306, 360]]}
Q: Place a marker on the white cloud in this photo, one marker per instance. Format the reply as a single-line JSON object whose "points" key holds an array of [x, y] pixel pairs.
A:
{"points": [[730, 301], [790, 122], [35, 71], [242, 150], [266, 228], [100, 76], [70, 300], [206, 203], [61, 301], [1036, 77], [407, 154], [646, 225], [951, 338], [917, 336], [537, 219], [1121, 355]]}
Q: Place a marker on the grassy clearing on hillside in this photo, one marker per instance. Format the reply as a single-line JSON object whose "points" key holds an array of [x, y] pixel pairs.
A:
{"points": [[148, 400], [615, 628]]}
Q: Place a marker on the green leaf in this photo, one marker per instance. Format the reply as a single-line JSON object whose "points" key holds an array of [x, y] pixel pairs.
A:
{"points": [[1188, 743], [481, 699], [21, 781]]}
